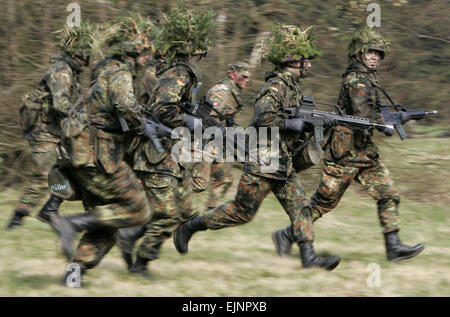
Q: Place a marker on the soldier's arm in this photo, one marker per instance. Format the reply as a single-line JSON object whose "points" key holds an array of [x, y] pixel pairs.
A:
{"points": [[268, 105], [123, 99], [60, 82], [218, 100], [171, 87], [362, 104]]}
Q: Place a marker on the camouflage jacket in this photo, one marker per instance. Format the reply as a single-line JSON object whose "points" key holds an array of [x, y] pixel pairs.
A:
{"points": [[175, 82], [281, 90], [59, 89], [358, 96], [226, 97], [145, 82], [93, 128]]}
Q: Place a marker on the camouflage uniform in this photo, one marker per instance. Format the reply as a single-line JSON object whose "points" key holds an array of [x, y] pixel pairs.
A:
{"points": [[167, 183], [59, 88], [282, 89], [98, 158], [352, 155], [226, 97]]}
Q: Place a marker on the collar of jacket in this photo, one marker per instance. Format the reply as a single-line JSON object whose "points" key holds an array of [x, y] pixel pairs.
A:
{"points": [[360, 67], [287, 76], [181, 60], [73, 64], [236, 91]]}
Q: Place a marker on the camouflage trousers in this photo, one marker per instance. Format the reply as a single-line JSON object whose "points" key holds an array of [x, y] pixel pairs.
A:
{"points": [[201, 175], [171, 202], [375, 180], [221, 181], [43, 157], [126, 206], [251, 192]]}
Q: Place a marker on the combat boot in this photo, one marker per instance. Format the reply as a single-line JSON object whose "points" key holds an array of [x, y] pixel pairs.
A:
{"points": [[310, 259], [125, 241], [51, 206], [283, 240], [17, 218], [397, 251], [140, 267], [66, 227], [185, 231]]}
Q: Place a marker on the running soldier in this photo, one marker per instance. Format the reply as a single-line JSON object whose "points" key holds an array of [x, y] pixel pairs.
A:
{"points": [[183, 41], [290, 50], [226, 97], [93, 137], [43, 111], [352, 155]]}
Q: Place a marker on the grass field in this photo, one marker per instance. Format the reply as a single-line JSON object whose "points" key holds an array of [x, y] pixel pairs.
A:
{"points": [[240, 261]]}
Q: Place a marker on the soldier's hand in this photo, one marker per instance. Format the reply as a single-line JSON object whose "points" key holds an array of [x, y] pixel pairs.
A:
{"points": [[330, 122], [191, 122], [294, 125]]}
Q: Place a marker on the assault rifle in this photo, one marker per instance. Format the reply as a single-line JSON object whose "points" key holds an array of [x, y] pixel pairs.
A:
{"points": [[202, 110], [401, 116], [317, 118], [158, 129]]}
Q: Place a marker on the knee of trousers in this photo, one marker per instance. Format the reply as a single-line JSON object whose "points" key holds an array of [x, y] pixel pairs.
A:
{"points": [[389, 201]]}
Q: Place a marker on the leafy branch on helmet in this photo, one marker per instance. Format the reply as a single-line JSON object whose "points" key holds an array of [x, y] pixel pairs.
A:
{"points": [[77, 41], [289, 42], [368, 39], [185, 32]]}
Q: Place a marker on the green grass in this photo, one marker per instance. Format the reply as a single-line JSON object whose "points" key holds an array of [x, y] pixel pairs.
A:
{"points": [[240, 261]]}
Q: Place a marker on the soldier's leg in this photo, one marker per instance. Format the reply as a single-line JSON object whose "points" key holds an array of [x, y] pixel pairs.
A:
{"points": [[94, 245], [333, 184], [377, 181], [292, 198], [43, 158], [161, 192], [251, 192], [123, 188], [201, 175], [221, 181]]}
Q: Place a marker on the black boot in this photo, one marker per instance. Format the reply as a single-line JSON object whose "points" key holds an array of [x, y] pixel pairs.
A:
{"points": [[17, 217], [140, 267], [51, 206], [397, 251], [126, 240], [66, 227], [185, 231], [310, 259], [283, 240]]}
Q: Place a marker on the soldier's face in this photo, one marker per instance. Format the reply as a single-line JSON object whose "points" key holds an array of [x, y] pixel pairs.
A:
{"points": [[240, 80], [371, 59]]}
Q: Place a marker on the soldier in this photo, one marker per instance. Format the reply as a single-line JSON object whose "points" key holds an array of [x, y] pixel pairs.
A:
{"points": [[226, 97], [290, 50], [352, 155], [57, 91], [183, 40], [92, 137]]}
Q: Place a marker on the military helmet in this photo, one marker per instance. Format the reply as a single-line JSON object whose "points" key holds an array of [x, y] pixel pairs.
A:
{"points": [[239, 67], [288, 43], [129, 35], [77, 41], [368, 39], [185, 32]]}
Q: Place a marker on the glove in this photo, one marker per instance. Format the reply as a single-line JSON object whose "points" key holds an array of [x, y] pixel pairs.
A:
{"points": [[330, 122], [294, 125], [386, 131], [191, 122], [150, 129]]}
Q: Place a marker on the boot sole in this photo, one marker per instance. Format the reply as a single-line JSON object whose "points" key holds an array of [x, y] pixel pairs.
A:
{"points": [[42, 219], [177, 245], [398, 259]]}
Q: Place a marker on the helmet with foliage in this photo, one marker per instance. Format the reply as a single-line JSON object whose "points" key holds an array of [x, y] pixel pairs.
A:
{"points": [[288, 43], [185, 32], [77, 41], [129, 35], [368, 39]]}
